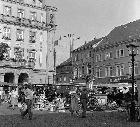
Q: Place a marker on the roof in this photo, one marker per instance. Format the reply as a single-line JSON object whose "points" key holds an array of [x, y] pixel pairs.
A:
{"points": [[123, 33], [67, 62], [89, 44]]}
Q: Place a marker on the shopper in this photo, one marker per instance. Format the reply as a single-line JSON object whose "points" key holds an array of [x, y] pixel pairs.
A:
{"points": [[74, 106], [28, 100], [14, 98], [83, 101]]}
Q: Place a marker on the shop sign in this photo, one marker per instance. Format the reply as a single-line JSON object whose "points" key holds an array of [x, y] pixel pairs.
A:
{"points": [[119, 79]]}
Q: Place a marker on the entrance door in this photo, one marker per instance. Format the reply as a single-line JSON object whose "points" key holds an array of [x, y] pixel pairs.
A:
{"points": [[23, 77], [9, 78]]}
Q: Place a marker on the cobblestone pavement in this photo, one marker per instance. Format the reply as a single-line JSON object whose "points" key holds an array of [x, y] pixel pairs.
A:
{"points": [[11, 118]]}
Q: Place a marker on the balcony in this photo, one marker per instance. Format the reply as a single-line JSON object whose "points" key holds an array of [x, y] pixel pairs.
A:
{"points": [[23, 22], [22, 63]]}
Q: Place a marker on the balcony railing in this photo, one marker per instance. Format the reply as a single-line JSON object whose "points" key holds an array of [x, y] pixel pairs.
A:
{"points": [[13, 63], [23, 22]]}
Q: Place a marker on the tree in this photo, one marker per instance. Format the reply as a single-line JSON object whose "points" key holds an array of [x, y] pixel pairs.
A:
{"points": [[3, 50]]}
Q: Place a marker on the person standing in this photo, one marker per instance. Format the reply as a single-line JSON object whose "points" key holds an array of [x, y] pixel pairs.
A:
{"points": [[14, 98], [83, 101], [74, 107], [28, 100]]}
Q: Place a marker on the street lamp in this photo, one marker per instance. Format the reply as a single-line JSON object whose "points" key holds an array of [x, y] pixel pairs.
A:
{"points": [[132, 52]]}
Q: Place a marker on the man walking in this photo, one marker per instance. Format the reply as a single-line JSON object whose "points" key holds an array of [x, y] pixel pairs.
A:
{"points": [[83, 100], [28, 100]]}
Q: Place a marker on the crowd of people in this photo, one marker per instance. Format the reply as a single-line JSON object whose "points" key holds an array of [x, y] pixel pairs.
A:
{"points": [[27, 97]]}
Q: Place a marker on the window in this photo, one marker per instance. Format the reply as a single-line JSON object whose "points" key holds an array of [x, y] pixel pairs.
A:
{"points": [[130, 68], [33, 16], [41, 37], [18, 53], [98, 72], [76, 57], [40, 59], [31, 55], [80, 72], [83, 70], [65, 78], [41, 17], [75, 72], [136, 69], [20, 35], [90, 54], [52, 18], [108, 71], [6, 33], [7, 10], [108, 55], [32, 37], [20, 13], [89, 69], [98, 57], [119, 53], [120, 70]]}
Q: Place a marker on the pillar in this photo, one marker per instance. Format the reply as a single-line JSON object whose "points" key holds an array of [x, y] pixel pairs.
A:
{"points": [[16, 79], [1, 79]]}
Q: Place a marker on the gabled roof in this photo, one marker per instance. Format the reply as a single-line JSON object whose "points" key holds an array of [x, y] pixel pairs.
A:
{"points": [[123, 33]]}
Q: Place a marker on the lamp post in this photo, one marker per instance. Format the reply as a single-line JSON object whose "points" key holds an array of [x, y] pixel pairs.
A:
{"points": [[132, 52]]}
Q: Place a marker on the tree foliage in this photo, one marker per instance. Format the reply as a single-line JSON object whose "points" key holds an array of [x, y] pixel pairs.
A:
{"points": [[3, 50]]}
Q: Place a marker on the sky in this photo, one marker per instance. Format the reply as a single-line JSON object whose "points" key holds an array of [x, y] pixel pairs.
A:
{"points": [[88, 19]]}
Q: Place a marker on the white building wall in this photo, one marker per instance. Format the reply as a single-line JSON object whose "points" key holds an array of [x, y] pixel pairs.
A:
{"points": [[47, 43]]}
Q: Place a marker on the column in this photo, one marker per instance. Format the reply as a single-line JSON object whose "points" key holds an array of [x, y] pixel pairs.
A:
{"points": [[2, 79], [16, 78]]}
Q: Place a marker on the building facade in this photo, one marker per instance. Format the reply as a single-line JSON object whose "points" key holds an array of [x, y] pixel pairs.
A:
{"points": [[64, 76], [110, 61], [82, 60], [64, 73], [28, 27]]}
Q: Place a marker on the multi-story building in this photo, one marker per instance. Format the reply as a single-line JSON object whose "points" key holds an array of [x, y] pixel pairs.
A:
{"points": [[107, 59], [64, 75], [28, 27], [112, 64], [82, 60]]}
